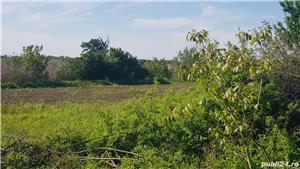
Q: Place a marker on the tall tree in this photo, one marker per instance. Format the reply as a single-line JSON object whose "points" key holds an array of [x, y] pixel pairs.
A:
{"points": [[158, 69], [95, 45], [185, 60], [124, 67], [34, 63], [93, 59], [291, 29]]}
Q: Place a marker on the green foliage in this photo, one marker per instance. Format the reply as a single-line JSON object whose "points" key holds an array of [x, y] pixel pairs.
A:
{"points": [[30, 66], [124, 68], [93, 66], [70, 69], [290, 33], [100, 62], [95, 45], [92, 60], [243, 109], [34, 63], [158, 69], [185, 59], [245, 92], [9, 86], [142, 125]]}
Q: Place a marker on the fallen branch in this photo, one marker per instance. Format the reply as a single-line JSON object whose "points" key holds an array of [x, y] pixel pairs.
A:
{"points": [[3, 150], [109, 149], [100, 158], [294, 75]]}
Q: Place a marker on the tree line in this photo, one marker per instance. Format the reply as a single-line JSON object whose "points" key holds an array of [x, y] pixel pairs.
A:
{"points": [[97, 62]]}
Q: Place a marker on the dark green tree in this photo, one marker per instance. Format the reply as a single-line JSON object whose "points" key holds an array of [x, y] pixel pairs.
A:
{"points": [[95, 45], [93, 58], [158, 69], [124, 67], [290, 32]]}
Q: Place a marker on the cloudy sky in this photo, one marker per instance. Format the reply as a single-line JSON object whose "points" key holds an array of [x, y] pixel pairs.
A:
{"points": [[145, 29]]}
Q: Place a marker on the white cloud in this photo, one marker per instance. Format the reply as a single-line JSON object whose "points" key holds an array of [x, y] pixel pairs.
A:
{"points": [[19, 8], [209, 16], [142, 47], [147, 46], [209, 19], [212, 12], [164, 23], [122, 6], [29, 13]]}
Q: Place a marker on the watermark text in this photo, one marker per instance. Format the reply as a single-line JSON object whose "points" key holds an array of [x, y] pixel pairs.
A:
{"points": [[279, 164]]}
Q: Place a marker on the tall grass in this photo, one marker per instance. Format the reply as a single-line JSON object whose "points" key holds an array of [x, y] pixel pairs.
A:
{"points": [[142, 124]]}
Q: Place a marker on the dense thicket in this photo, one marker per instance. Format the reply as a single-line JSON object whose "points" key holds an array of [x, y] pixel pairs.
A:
{"points": [[254, 88]]}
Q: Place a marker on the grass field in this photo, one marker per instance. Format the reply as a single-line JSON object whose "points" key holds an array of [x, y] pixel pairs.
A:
{"points": [[37, 114], [113, 93], [56, 120]]}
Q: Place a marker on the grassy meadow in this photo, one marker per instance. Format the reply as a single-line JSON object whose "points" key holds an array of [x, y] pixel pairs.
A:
{"points": [[35, 114], [110, 116]]}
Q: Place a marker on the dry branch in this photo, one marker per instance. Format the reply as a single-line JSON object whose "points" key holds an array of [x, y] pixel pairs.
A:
{"points": [[109, 149]]}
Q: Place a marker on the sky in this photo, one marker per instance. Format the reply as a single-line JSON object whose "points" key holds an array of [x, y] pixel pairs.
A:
{"points": [[146, 29]]}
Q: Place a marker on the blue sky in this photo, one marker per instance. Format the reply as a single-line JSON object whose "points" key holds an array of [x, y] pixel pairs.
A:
{"points": [[145, 29]]}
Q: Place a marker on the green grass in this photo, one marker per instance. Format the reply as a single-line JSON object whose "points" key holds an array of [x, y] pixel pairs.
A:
{"points": [[140, 124], [36, 122], [154, 125]]}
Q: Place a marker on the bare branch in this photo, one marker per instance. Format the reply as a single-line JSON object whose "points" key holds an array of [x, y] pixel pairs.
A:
{"points": [[109, 149], [294, 75], [100, 158]]}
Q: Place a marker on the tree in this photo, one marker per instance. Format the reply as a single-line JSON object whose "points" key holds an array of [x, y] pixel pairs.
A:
{"points": [[95, 45], [98, 61], [290, 32], [287, 74], [158, 69], [185, 60], [124, 67], [70, 69], [31, 65], [186, 56], [287, 49], [248, 91], [94, 66], [93, 58]]}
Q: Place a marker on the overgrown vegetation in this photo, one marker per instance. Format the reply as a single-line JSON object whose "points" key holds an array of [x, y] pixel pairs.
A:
{"points": [[244, 109], [98, 62]]}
